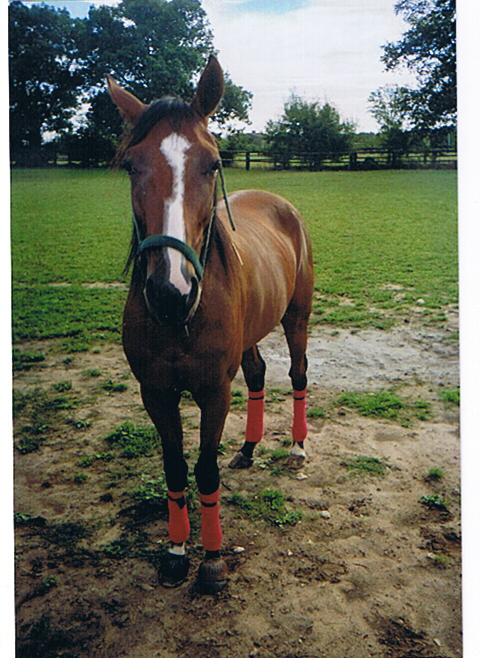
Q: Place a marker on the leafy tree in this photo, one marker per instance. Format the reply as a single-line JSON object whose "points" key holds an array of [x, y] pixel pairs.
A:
{"points": [[387, 109], [45, 76], [306, 128], [153, 48], [427, 48]]}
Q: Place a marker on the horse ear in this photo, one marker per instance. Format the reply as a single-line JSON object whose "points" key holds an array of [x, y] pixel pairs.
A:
{"points": [[210, 89], [128, 105]]}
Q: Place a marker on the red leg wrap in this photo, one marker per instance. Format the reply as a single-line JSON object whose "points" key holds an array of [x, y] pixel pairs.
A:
{"points": [[299, 425], [255, 408], [211, 530], [178, 523]]}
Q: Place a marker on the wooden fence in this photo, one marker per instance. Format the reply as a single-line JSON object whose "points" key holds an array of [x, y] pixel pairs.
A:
{"points": [[360, 159]]}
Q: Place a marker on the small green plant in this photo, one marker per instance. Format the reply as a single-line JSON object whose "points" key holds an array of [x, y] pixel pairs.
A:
{"points": [[150, 490], [316, 412], [238, 399], [28, 445], [386, 404], [434, 502], [80, 478], [78, 424], [269, 506], [434, 474], [110, 386], [23, 360], [46, 585], [440, 560], [133, 440], [451, 396], [91, 373], [62, 386], [366, 464]]}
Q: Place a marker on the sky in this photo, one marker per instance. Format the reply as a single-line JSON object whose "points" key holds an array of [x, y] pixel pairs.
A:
{"points": [[325, 50]]}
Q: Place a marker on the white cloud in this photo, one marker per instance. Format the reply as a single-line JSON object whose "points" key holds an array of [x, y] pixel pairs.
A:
{"points": [[326, 50]]}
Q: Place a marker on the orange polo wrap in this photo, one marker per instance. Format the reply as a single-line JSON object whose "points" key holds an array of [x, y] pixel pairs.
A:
{"points": [[299, 425], [211, 530], [255, 410], [178, 522]]}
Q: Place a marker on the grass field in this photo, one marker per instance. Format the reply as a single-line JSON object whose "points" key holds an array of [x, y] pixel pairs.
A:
{"points": [[384, 243]]}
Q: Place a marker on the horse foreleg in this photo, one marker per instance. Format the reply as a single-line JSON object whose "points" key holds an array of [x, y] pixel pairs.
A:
{"points": [[295, 327], [214, 408], [253, 368], [162, 408]]}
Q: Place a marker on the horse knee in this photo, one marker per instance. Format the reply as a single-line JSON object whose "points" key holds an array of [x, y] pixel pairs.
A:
{"points": [[206, 472], [176, 470]]}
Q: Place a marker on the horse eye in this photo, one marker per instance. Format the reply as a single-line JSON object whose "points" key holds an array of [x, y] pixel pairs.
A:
{"points": [[213, 168], [128, 166]]}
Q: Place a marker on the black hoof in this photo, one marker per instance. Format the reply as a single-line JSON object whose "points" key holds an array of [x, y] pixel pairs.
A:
{"points": [[240, 461], [173, 570], [212, 576]]}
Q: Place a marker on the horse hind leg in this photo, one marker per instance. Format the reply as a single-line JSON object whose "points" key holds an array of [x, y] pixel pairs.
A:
{"points": [[295, 324], [253, 368]]}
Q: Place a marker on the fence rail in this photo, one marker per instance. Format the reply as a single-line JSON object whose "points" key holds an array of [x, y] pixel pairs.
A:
{"points": [[360, 159]]}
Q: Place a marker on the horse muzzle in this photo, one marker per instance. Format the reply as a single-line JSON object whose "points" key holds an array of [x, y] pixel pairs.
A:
{"points": [[166, 304]]}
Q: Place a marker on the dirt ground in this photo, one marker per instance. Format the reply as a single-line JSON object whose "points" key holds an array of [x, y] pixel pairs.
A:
{"points": [[368, 571]]}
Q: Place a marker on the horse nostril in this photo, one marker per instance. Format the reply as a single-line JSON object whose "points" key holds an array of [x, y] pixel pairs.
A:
{"points": [[164, 301]]}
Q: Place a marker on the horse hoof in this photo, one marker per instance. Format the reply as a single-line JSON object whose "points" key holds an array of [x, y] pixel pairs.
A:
{"points": [[212, 576], [295, 462], [240, 461], [173, 570]]}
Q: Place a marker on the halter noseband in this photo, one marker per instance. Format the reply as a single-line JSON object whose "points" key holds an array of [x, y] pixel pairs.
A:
{"points": [[158, 240]]}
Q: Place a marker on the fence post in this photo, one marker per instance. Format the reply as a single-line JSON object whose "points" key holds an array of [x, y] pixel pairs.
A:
{"points": [[353, 160], [247, 160]]}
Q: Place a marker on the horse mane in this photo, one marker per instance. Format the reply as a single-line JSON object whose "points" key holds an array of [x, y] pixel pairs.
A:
{"points": [[171, 108]]}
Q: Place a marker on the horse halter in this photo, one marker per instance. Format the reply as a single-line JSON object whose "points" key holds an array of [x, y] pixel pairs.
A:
{"points": [[158, 240]]}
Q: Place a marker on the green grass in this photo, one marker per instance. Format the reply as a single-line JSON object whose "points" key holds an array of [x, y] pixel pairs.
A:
{"points": [[133, 440], [434, 502], [386, 404], [370, 231], [451, 396], [365, 464], [269, 506]]}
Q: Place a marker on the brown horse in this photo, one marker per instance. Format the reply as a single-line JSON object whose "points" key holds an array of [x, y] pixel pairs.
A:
{"points": [[209, 281]]}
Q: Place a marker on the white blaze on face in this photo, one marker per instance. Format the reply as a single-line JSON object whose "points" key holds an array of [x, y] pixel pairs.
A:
{"points": [[174, 148]]}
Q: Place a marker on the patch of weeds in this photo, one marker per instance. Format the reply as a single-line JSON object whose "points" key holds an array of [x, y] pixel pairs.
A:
{"points": [[269, 506], [316, 412], [383, 404], [80, 478], [386, 404], [77, 345], [68, 361], [365, 464], [45, 586], [62, 386], [238, 399], [118, 548], [434, 474], [434, 502], [451, 396], [150, 490], [273, 460], [276, 394], [133, 440], [28, 445], [58, 403], [22, 399], [66, 534], [23, 360], [91, 373], [110, 386], [27, 520], [440, 560], [87, 460], [78, 424]]}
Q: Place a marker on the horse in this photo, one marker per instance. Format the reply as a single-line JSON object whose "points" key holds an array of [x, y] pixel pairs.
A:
{"points": [[210, 279]]}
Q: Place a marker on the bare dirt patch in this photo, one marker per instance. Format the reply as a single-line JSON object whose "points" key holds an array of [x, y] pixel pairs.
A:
{"points": [[368, 570]]}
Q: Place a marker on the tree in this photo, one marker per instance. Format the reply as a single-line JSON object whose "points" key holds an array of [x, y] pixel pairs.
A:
{"points": [[387, 109], [153, 48], [45, 76], [427, 48], [306, 128]]}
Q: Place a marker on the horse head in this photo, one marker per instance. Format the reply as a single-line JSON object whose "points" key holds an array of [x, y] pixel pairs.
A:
{"points": [[172, 160]]}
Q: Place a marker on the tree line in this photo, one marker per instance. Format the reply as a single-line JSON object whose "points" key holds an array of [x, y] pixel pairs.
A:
{"points": [[59, 103]]}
